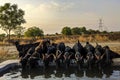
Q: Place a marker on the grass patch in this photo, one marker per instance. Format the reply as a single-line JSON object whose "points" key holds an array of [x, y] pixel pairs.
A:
{"points": [[4, 55], [116, 49]]}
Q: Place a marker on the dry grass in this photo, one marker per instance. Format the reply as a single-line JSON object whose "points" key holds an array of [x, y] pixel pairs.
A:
{"points": [[5, 56], [65, 40], [101, 38], [69, 39], [116, 49], [72, 39], [4, 43], [92, 38]]}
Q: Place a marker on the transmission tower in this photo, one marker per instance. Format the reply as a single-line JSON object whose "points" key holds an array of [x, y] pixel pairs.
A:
{"points": [[100, 25]]}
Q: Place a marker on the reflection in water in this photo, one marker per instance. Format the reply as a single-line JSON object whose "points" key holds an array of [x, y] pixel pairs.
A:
{"points": [[107, 73]]}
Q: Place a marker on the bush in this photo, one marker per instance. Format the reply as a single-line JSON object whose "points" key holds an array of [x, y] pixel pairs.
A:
{"points": [[34, 32], [66, 31]]}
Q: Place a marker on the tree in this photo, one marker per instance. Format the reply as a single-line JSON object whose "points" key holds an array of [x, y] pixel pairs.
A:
{"points": [[2, 36], [76, 31], [34, 32], [19, 31], [90, 31], [10, 17], [66, 31], [83, 30], [56, 33], [104, 32]]}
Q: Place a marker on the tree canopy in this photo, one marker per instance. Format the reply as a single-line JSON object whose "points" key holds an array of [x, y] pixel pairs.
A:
{"points": [[83, 30], [10, 17], [76, 31], [34, 32], [66, 31], [2, 36]]}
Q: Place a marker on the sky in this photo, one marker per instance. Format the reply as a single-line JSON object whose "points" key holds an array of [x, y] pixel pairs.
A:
{"points": [[52, 15]]}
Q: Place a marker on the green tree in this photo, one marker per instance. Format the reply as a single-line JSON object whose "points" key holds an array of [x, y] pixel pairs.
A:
{"points": [[91, 31], [83, 30], [10, 17], [34, 32], [19, 31], [76, 31], [66, 31], [97, 32], [104, 32], [2, 36]]}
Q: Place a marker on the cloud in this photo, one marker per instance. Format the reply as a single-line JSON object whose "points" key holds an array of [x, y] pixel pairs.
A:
{"points": [[52, 15], [48, 15], [45, 12]]}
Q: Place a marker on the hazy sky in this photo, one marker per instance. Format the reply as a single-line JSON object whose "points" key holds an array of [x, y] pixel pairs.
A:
{"points": [[53, 15]]}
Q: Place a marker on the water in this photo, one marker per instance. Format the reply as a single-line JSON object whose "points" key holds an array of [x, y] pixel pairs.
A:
{"points": [[72, 73]]}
